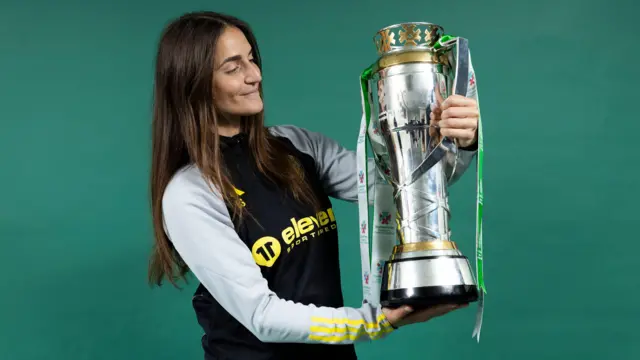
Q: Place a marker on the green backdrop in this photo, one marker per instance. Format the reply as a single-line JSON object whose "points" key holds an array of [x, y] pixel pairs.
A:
{"points": [[558, 85]]}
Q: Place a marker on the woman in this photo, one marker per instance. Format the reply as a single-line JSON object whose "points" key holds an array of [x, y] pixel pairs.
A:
{"points": [[246, 208]]}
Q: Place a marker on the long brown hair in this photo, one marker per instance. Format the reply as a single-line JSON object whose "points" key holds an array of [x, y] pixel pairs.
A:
{"points": [[184, 129]]}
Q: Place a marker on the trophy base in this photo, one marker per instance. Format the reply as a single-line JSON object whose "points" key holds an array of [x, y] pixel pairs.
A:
{"points": [[429, 296], [427, 274]]}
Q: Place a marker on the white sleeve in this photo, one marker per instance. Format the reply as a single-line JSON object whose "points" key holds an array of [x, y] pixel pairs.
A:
{"points": [[337, 166], [198, 224]]}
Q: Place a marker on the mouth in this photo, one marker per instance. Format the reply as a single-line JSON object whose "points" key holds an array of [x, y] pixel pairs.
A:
{"points": [[251, 93]]}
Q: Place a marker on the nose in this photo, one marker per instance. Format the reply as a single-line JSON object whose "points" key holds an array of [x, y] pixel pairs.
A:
{"points": [[253, 74]]}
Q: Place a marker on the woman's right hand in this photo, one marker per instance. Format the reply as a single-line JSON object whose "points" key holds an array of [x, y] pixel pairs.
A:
{"points": [[405, 315]]}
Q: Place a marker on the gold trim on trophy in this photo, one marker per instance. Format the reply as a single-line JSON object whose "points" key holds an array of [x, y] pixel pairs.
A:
{"points": [[425, 245], [409, 35], [411, 57], [417, 35], [384, 42]]}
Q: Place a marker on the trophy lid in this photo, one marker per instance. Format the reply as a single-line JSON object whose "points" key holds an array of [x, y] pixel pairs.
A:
{"points": [[407, 36]]}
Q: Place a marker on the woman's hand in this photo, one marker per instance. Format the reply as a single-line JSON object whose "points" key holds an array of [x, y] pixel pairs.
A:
{"points": [[405, 315], [457, 118]]}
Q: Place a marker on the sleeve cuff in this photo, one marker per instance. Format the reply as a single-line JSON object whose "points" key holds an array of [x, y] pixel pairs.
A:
{"points": [[472, 147]]}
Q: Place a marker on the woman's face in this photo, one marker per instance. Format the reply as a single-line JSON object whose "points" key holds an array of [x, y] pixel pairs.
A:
{"points": [[236, 77]]}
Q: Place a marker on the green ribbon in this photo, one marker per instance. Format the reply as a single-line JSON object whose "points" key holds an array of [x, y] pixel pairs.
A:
{"points": [[364, 85], [443, 39]]}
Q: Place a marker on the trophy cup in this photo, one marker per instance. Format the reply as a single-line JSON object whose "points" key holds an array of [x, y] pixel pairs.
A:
{"points": [[417, 68]]}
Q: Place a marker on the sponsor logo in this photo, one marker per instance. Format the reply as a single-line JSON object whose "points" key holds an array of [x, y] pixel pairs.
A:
{"points": [[268, 249], [384, 218]]}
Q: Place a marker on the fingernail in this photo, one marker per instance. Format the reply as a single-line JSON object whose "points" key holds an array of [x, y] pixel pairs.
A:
{"points": [[408, 309]]}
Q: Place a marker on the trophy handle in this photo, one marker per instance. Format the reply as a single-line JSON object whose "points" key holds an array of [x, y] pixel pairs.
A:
{"points": [[437, 154], [459, 59]]}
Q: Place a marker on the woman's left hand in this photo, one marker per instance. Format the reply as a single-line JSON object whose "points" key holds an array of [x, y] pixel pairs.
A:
{"points": [[457, 118]]}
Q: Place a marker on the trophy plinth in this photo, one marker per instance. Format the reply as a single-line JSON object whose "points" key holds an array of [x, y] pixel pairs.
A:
{"points": [[409, 80], [425, 274]]}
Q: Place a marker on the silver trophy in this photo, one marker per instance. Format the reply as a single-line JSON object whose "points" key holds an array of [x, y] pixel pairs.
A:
{"points": [[417, 68]]}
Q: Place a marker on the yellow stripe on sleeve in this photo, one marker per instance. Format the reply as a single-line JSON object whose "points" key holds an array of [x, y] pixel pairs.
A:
{"points": [[333, 331]]}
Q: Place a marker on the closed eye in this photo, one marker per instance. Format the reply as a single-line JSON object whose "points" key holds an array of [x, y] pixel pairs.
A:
{"points": [[233, 70]]}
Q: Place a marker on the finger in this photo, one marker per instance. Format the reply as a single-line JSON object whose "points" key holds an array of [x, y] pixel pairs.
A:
{"points": [[430, 313], [462, 134], [458, 100], [458, 123], [460, 112], [440, 310], [398, 314]]}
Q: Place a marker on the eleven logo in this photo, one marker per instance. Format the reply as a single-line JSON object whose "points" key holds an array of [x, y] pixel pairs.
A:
{"points": [[384, 218], [361, 176], [363, 227], [366, 277]]}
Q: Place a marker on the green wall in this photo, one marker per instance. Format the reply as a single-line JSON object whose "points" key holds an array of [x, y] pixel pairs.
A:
{"points": [[558, 85]]}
